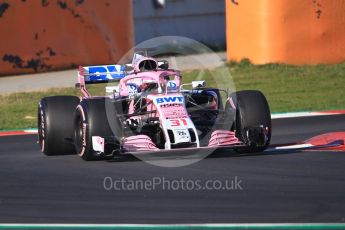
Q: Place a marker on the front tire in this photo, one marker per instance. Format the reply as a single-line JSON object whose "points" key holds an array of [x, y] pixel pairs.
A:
{"points": [[55, 124], [91, 120], [253, 120]]}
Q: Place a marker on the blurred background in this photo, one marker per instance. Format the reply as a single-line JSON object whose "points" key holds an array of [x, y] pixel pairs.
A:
{"points": [[45, 35]]}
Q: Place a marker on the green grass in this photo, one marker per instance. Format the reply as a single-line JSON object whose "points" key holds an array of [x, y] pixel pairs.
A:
{"points": [[287, 88], [291, 88]]}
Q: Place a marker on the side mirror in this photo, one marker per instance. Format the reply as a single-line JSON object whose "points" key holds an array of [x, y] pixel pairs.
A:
{"points": [[128, 67], [163, 64], [112, 89], [198, 84]]}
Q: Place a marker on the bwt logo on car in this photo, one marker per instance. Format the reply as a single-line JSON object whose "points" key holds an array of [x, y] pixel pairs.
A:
{"points": [[169, 100]]}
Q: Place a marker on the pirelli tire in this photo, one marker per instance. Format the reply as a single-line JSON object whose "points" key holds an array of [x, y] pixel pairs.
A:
{"points": [[253, 120], [56, 124], [91, 120]]}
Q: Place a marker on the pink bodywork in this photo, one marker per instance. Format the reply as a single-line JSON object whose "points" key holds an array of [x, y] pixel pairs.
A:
{"points": [[81, 80], [148, 76], [175, 113], [223, 137], [138, 143], [153, 76]]}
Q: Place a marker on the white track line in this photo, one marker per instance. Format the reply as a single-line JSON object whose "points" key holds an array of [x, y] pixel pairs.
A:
{"points": [[213, 225], [301, 114]]}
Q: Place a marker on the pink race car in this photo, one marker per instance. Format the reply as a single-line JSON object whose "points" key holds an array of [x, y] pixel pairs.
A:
{"points": [[150, 110]]}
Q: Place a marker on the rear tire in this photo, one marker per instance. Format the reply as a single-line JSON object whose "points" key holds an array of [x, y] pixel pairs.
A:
{"points": [[55, 124], [253, 120], [91, 120]]}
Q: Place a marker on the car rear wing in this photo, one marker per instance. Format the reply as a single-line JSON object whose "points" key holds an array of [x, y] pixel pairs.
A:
{"points": [[106, 74], [109, 73], [101, 74], [98, 74]]}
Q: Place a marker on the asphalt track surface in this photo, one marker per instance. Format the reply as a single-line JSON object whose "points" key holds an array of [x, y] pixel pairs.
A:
{"points": [[291, 186]]}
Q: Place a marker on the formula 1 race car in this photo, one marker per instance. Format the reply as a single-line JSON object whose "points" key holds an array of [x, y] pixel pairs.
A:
{"points": [[150, 110]]}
